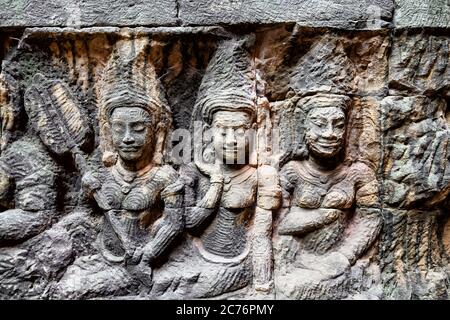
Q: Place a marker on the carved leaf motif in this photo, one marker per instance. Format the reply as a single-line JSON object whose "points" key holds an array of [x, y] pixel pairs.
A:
{"points": [[55, 115]]}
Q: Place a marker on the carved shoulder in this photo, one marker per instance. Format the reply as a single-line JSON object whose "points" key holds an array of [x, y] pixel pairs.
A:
{"points": [[366, 184], [361, 174], [171, 184], [168, 174]]}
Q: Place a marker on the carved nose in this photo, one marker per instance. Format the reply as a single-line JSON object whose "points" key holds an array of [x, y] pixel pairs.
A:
{"points": [[230, 139], [128, 138], [328, 132]]}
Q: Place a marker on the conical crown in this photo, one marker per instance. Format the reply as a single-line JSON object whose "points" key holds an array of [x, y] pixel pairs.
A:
{"points": [[229, 81], [130, 80]]}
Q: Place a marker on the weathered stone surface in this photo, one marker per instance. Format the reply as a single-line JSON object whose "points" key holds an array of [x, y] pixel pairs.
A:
{"points": [[308, 62], [368, 14], [85, 13], [416, 148], [412, 264], [29, 270], [221, 161], [419, 64], [418, 14]]}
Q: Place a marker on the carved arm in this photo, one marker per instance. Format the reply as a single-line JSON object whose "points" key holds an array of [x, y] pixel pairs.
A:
{"points": [[366, 223], [268, 199], [170, 225]]}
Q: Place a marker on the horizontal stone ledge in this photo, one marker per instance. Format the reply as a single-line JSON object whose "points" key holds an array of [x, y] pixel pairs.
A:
{"points": [[85, 13], [342, 14], [345, 14], [36, 32], [422, 14]]}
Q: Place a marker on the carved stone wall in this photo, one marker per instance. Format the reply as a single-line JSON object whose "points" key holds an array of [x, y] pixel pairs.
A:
{"points": [[224, 149]]}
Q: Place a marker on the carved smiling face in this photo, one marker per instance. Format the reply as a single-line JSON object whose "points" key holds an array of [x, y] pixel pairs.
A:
{"points": [[132, 133], [325, 130], [229, 130]]}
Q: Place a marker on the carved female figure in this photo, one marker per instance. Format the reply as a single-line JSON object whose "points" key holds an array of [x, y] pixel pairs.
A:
{"points": [[228, 202], [331, 217], [141, 198], [28, 176]]}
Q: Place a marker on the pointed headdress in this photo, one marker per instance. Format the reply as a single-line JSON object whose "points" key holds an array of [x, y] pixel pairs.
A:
{"points": [[229, 81]]}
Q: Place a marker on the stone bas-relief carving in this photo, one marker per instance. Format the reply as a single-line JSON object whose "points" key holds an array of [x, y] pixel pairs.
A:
{"points": [[28, 179], [317, 167], [140, 197], [415, 193], [320, 237], [228, 202]]}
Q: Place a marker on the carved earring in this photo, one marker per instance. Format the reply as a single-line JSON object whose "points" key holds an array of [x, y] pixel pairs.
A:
{"points": [[252, 144], [158, 156], [109, 158], [208, 153]]}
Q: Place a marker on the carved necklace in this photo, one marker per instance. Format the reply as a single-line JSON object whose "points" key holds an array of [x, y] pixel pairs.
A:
{"points": [[229, 176], [313, 175], [129, 179]]}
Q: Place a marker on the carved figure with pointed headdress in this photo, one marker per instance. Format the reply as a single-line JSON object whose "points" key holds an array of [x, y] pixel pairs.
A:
{"points": [[228, 200], [140, 196]]}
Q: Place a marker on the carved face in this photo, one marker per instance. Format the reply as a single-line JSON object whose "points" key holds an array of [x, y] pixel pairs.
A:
{"points": [[132, 133], [229, 130], [325, 129]]}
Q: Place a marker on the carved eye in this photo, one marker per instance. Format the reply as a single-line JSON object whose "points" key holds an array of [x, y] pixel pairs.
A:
{"points": [[319, 123], [139, 127], [117, 128], [240, 131], [340, 125]]}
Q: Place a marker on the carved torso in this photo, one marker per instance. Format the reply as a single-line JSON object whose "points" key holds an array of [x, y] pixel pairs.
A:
{"points": [[320, 202], [134, 201], [226, 234]]}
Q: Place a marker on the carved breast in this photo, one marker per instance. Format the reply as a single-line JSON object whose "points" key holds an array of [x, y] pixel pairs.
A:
{"points": [[320, 205], [136, 195], [316, 190], [240, 191]]}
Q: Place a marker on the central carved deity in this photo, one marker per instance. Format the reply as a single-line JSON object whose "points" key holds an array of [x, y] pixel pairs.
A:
{"points": [[228, 201]]}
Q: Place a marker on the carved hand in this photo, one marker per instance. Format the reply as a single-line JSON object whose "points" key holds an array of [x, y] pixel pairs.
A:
{"points": [[146, 254], [90, 182], [214, 193], [142, 268], [214, 171], [136, 257]]}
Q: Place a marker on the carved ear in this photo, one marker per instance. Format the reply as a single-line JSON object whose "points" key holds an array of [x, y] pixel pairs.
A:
{"points": [[160, 143], [205, 129]]}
